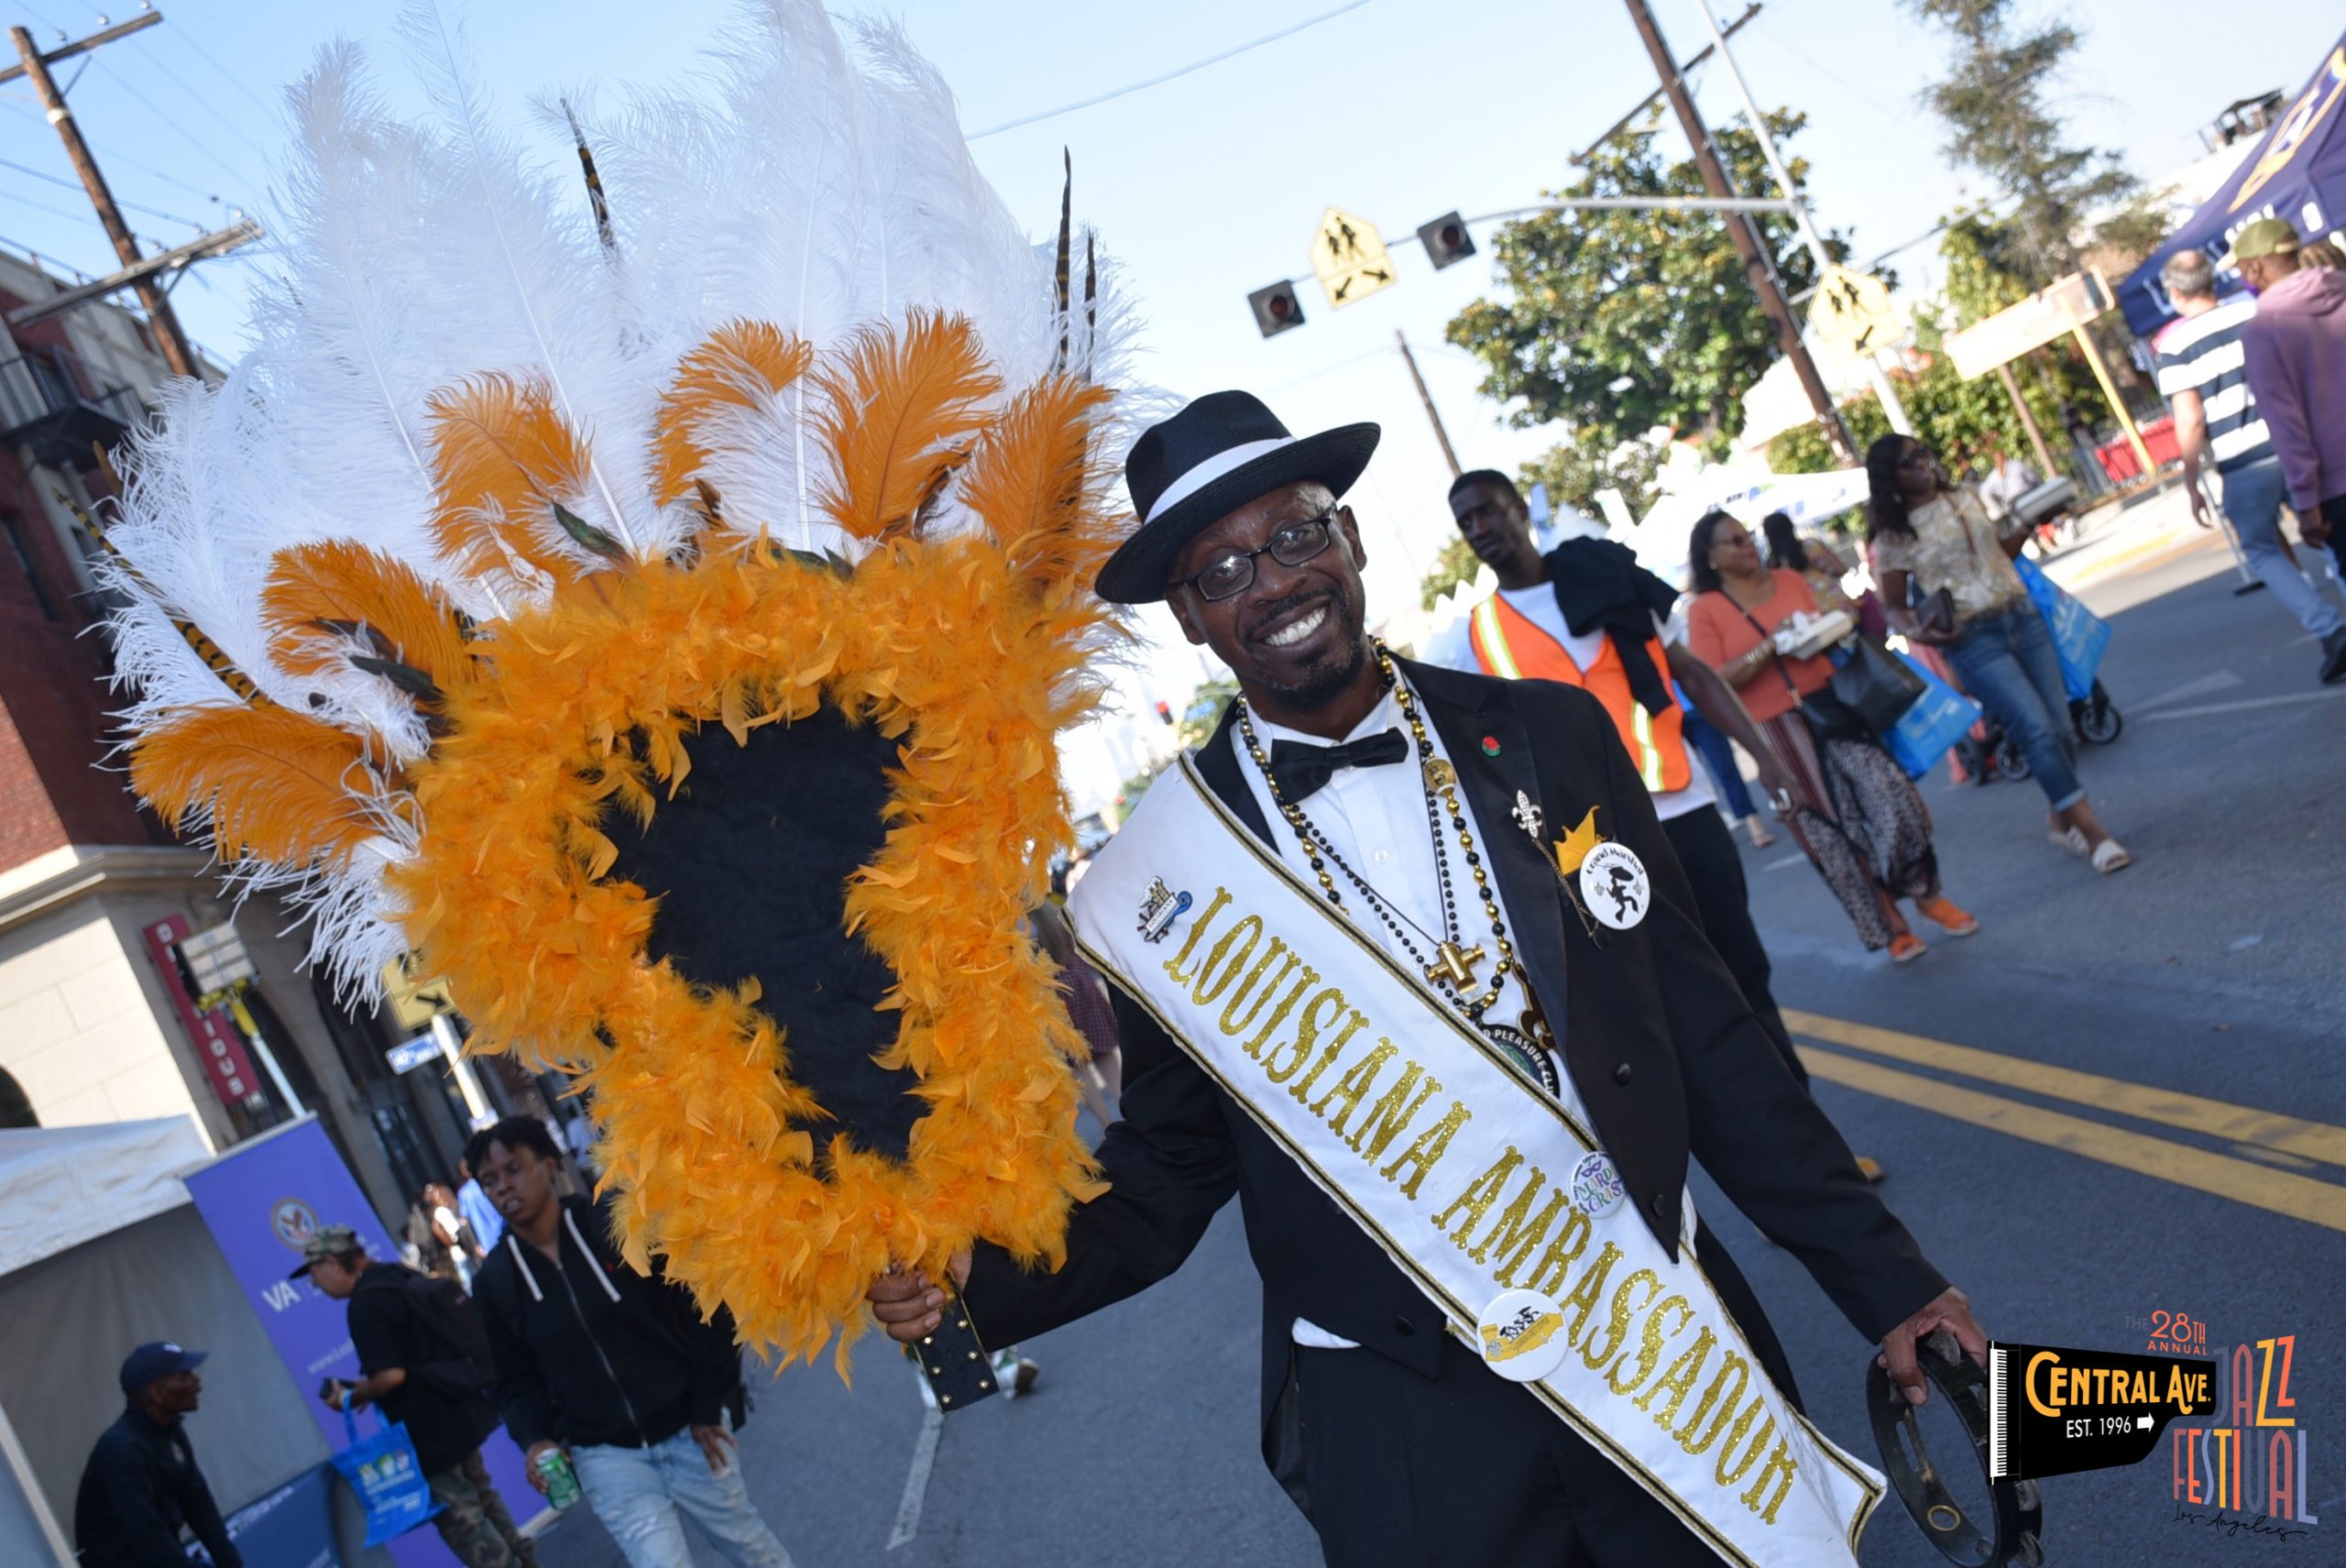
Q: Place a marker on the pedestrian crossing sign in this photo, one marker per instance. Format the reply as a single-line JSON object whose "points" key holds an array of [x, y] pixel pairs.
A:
{"points": [[1349, 256], [1853, 314]]}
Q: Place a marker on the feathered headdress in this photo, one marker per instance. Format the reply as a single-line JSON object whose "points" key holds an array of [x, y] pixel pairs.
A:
{"points": [[658, 618]]}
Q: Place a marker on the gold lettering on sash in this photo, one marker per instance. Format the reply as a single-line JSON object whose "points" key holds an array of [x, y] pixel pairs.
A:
{"points": [[1615, 1328], [1583, 1300], [1197, 930], [1207, 987], [1302, 1087], [1781, 1466], [1549, 1273], [1232, 1026], [1717, 1393], [1480, 1194], [1649, 1345], [1729, 1473], [1427, 1148], [1304, 981], [1679, 1382], [1358, 1080], [1388, 1116], [1318, 1013], [1516, 1234]]}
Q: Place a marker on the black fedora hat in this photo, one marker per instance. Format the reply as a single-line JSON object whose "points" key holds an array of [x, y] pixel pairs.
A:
{"points": [[1204, 463]]}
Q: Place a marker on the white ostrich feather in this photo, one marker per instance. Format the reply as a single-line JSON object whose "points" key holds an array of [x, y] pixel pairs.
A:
{"points": [[812, 179]]}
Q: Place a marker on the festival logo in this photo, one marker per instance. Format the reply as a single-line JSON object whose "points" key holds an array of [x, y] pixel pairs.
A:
{"points": [[2054, 1411], [291, 1221], [2248, 1471]]}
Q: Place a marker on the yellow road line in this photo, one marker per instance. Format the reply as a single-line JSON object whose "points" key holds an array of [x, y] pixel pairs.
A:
{"points": [[2297, 1197], [2217, 1118]]}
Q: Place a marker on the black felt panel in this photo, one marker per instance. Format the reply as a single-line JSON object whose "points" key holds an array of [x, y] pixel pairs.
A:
{"points": [[750, 862]]}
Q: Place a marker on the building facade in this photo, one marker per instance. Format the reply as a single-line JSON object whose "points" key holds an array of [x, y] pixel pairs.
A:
{"points": [[110, 1006]]}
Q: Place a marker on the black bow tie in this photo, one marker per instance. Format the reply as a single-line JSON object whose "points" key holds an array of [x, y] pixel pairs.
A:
{"points": [[1300, 768]]}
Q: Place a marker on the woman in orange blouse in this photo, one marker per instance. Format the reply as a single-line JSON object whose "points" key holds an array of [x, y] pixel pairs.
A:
{"points": [[1857, 816]]}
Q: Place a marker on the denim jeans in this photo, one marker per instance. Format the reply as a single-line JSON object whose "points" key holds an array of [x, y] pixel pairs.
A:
{"points": [[2008, 664], [638, 1491], [2252, 496], [1718, 756]]}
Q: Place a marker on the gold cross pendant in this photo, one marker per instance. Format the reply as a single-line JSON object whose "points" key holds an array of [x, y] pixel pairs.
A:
{"points": [[1454, 964]]}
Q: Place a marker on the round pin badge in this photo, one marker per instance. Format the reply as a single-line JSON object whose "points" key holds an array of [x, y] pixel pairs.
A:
{"points": [[1595, 1187], [1614, 885], [1522, 1335]]}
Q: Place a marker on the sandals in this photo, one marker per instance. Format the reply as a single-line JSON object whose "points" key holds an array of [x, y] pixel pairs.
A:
{"points": [[2109, 855], [2071, 839], [1905, 947]]}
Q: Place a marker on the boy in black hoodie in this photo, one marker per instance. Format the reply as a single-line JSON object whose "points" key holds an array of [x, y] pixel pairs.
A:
{"points": [[617, 1369]]}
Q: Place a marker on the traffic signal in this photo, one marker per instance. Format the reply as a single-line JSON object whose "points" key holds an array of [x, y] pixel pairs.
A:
{"points": [[1277, 309], [1164, 712], [1446, 240]]}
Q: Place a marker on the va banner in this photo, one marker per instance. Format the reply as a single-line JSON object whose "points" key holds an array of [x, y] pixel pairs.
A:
{"points": [[261, 1200]]}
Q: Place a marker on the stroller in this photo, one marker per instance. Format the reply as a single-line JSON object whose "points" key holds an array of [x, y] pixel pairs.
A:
{"points": [[2095, 717]]}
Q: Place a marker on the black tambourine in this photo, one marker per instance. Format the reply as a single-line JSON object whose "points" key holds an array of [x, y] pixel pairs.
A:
{"points": [[2018, 1530]]}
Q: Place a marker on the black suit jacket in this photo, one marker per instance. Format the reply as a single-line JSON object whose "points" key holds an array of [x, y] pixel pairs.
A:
{"points": [[1667, 1058]]}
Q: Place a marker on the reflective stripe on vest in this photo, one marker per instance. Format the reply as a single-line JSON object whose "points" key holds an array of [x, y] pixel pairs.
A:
{"points": [[1509, 645]]}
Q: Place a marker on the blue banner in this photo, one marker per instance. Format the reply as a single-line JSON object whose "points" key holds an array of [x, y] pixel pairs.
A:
{"points": [[261, 1200]]}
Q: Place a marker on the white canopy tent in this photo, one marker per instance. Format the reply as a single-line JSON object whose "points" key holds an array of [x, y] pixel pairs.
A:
{"points": [[1659, 538]]}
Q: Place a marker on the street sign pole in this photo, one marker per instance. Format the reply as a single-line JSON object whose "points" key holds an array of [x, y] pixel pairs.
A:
{"points": [[1883, 389], [1426, 398]]}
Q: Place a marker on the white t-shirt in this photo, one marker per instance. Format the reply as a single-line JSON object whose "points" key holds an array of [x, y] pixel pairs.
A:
{"points": [[1455, 649]]}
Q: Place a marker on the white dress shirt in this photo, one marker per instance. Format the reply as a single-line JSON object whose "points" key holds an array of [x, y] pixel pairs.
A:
{"points": [[1376, 818]]}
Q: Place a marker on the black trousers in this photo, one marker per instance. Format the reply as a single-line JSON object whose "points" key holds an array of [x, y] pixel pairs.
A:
{"points": [[1466, 1470], [1707, 852]]}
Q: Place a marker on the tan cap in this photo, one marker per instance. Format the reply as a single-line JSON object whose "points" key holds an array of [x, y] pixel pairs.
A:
{"points": [[2265, 237]]}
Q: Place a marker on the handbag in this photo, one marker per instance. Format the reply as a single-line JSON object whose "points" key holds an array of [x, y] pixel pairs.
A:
{"points": [[1923, 734], [2079, 636], [383, 1470], [1827, 717], [1935, 612], [1876, 686]]}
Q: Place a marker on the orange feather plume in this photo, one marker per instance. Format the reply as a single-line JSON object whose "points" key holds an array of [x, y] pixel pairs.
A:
{"points": [[271, 781], [502, 457], [347, 582], [898, 404], [1029, 480], [741, 363]]}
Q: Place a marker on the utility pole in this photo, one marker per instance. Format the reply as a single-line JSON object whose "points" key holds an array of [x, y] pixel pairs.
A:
{"points": [[1745, 236], [1883, 389], [178, 352], [1433, 415]]}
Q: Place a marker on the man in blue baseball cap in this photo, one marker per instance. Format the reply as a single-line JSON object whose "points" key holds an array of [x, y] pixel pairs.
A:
{"points": [[141, 1484]]}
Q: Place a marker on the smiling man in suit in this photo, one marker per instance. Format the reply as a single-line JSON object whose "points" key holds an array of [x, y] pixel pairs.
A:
{"points": [[1454, 1063]]}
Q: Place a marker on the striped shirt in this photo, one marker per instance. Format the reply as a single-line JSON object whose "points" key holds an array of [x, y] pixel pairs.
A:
{"points": [[2202, 354]]}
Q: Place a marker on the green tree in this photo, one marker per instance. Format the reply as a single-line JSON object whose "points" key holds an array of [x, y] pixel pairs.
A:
{"points": [[1577, 469], [1615, 321], [1996, 101], [1455, 564], [1958, 419], [1194, 726]]}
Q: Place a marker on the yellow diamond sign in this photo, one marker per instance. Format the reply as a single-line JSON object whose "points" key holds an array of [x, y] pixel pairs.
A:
{"points": [[1349, 254], [1853, 314]]}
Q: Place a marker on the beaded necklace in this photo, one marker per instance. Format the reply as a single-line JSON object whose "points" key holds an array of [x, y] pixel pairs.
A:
{"points": [[1452, 965]]}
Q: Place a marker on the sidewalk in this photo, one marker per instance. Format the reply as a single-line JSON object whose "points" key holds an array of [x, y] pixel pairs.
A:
{"points": [[2126, 535]]}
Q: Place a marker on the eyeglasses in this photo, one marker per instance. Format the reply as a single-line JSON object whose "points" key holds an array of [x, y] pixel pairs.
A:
{"points": [[1919, 457], [1292, 546]]}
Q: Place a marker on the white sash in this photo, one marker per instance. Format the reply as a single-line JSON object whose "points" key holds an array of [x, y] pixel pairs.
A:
{"points": [[1463, 1169]]}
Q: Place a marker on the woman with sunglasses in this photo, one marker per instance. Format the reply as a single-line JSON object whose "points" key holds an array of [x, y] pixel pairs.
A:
{"points": [[1857, 815], [1947, 582]]}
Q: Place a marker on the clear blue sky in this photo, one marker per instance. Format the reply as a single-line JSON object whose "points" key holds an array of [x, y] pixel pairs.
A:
{"points": [[1211, 186]]}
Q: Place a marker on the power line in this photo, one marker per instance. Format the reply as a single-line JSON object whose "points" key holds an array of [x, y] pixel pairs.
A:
{"points": [[232, 79], [77, 217], [117, 155], [139, 49], [1170, 75], [76, 185]]}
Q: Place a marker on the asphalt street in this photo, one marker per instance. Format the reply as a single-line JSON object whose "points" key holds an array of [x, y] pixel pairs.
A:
{"points": [[2121, 1099]]}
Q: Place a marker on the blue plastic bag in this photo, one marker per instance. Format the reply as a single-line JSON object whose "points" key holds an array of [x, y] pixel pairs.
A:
{"points": [[383, 1470], [1940, 717], [2078, 634]]}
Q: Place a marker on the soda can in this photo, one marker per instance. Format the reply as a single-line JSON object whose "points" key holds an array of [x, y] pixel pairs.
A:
{"points": [[562, 1481]]}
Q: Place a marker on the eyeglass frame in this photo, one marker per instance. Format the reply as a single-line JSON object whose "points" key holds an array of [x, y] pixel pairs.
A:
{"points": [[1326, 522]]}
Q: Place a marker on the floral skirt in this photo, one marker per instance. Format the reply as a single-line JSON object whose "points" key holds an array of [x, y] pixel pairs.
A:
{"points": [[1861, 823]]}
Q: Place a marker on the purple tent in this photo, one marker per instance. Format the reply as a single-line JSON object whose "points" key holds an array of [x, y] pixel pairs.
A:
{"points": [[2298, 172]]}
